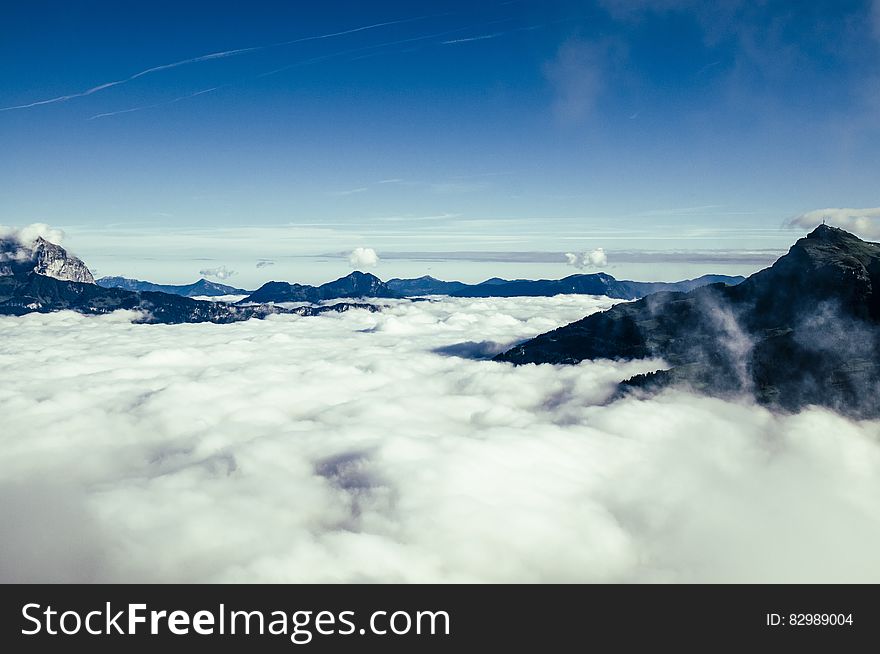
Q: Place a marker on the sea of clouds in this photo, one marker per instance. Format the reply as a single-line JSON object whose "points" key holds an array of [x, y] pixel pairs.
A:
{"points": [[374, 447]]}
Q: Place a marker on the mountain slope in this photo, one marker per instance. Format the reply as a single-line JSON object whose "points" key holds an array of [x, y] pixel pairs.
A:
{"points": [[804, 331], [201, 288]]}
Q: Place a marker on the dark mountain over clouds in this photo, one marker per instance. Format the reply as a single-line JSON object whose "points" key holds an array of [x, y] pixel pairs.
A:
{"points": [[360, 284], [804, 331], [354, 285], [201, 288], [584, 284], [426, 285]]}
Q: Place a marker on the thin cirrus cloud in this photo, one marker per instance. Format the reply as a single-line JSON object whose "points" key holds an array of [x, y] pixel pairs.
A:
{"points": [[155, 105], [469, 39], [375, 447], [208, 57], [740, 257]]}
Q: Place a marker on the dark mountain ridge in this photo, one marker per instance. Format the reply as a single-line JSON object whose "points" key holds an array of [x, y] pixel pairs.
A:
{"points": [[804, 331], [585, 284], [360, 284], [201, 288], [353, 285]]}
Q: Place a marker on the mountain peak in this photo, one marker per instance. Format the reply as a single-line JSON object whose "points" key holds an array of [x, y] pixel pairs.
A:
{"points": [[357, 274], [831, 234], [42, 257], [830, 246]]}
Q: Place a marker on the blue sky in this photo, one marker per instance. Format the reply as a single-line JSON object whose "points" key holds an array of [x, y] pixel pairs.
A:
{"points": [[304, 130]]}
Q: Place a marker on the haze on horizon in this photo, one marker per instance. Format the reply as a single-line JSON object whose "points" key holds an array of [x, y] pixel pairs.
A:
{"points": [[456, 140]]}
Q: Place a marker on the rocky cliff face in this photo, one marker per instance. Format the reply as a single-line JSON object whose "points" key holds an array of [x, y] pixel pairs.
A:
{"points": [[43, 258]]}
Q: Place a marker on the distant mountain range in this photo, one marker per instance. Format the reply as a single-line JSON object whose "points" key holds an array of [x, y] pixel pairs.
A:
{"points": [[353, 285], [43, 277], [804, 331], [359, 284], [201, 288], [583, 284]]}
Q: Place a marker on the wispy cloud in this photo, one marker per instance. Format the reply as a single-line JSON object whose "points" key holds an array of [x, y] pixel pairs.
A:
{"points": [[211, 57], [600, 257], [576, 76], [473, 38], [379, 46], [153, 106], [352, 191]]}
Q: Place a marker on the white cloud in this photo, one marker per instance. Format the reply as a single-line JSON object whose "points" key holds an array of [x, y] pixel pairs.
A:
{"points": [[363, 258], [344, 448], [30, 233], [587, 260], [220, 272], [861, 222]]}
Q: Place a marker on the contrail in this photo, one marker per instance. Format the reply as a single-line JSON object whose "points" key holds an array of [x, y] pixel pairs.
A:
{"points": [[211, 56], [483, 37], [153, 106], [473, 38], [297, 64], [377, 46]]}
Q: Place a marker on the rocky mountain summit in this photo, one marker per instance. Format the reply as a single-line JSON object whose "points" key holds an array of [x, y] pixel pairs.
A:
{"points": [[43, 258]]}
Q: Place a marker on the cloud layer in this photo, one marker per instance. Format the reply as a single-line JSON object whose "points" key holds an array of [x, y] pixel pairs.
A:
{"points": [[861, 222], [347, 448]]}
